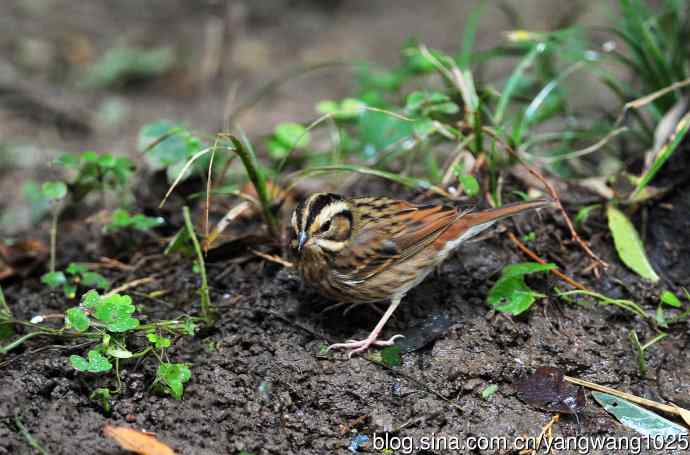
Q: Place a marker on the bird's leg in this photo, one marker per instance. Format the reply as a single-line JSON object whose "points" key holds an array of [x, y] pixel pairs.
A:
{"points": [[356, 346]]}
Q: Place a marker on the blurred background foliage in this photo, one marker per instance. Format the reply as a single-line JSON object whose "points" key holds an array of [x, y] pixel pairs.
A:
{"points": [[324, 86]]}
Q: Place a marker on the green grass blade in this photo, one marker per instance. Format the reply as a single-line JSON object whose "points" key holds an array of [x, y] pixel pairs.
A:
{"points": [[513, 81], [640, 64], [258, 179], [664, 154], [639, 37], [538, 101], [410, 182], [469, 35]]}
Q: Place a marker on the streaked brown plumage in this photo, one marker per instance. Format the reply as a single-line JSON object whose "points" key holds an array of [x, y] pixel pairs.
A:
{"points": [[370, 249]]}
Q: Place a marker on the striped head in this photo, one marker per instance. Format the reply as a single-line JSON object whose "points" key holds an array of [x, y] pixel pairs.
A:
{"points": [[321, 224]]}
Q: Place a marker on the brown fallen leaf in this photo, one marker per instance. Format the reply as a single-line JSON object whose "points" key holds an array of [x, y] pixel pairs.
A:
{"points": [[137, 441], [5, 270], [546, 389], [21, 258]]}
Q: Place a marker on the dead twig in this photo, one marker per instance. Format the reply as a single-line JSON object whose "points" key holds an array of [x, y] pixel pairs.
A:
{"points": [[111, 263], [130, 285], [273, 258], [522, 247], [669, 409], [554, 195], [546, 432]]}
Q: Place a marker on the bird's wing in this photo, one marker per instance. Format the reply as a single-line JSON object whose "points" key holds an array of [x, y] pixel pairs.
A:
{"points": [[388, 231]]}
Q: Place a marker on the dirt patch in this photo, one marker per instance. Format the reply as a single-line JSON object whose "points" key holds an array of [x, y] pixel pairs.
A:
{"points": [[259, 382], [260, 385]]}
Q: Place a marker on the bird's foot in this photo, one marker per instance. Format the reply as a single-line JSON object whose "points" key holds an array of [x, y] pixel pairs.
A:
{"points": [[357, 346]]}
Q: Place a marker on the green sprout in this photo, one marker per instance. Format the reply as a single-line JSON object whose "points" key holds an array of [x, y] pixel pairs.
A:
{"points": [[207, 309], [511, 294], [173, 376], [96, 172], [489, 391], [345, 110], [122, 64], [390, 356], [169, 146], [109, 319], [425, 104], [287, 136], [55, 192], [467, 182], [641, 348], [669, 299], [121, 219], [74, 275], [102, 396]]}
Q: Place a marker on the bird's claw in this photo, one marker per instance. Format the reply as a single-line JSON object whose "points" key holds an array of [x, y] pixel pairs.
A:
{"points": [[357, 346]]}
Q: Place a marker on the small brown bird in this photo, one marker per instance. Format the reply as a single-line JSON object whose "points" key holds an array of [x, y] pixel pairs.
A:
{"points": [[370, 249]]}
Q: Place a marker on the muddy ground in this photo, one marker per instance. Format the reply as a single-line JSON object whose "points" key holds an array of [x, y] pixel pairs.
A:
{"points": [[259, 382]]}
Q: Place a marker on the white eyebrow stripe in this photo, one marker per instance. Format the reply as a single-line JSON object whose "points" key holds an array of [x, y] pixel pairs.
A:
{"points": [[330, 211], [330, 245], [293, 221]]}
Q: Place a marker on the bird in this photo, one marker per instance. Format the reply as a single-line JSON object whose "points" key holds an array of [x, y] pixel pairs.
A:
{"points": [[371, 249]]}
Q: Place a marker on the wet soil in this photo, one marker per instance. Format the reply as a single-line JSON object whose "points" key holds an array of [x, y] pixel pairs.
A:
{"points": [[261, 384], [259, 380]]}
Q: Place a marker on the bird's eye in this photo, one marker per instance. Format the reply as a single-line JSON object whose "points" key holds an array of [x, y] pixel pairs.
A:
{"points": [[325, 226]]}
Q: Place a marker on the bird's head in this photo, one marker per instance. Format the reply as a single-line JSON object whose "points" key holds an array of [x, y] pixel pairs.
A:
{"points": [[321, 225]]}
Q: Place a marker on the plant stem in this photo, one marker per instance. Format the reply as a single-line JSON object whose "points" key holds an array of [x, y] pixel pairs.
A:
{"points": [[207, 310], [4, 307], [53, 238], [27, 436], [621, 303], [678, 318], [163, 324], [258, 179], [19, 341], [6, 327], [141, 353]]}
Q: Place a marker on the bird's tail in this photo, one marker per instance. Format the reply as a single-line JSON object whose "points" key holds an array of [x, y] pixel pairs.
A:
{"points": [[490, 215], [470, 224]]}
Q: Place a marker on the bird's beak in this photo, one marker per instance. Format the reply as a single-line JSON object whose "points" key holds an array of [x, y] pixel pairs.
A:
{"points": [[302, 239]]}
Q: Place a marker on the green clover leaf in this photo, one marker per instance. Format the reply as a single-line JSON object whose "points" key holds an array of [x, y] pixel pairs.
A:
{"points": [[159, 341], [90, 299], [54, 279], [511, 294], [75, 268], [54, 190], [174, 375], [77, 319], [96, 363], [115, 312], [96, 280]]}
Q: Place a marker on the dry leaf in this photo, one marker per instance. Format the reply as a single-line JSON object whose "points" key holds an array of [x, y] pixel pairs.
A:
{"points": [[684, 413], [137, 441], [21, 257]]}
